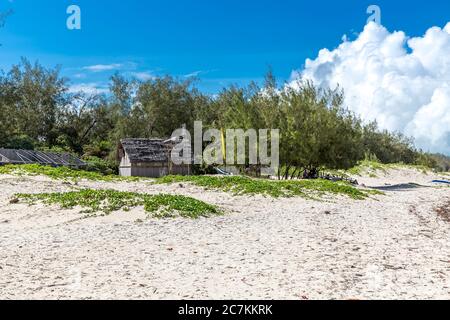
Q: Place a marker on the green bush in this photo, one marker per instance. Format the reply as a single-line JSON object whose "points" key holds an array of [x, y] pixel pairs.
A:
{"points": [[99, 150], [62, 173], [107, 201], [99, 165], [240, 185], [22, 142]]}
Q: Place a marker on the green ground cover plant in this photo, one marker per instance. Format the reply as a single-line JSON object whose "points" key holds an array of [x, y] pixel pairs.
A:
{"points": [[107, 201], [240, 185]]}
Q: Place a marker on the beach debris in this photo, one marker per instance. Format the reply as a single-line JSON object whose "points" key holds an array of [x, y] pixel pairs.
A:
{"points": [[222, 172], [14, 201], [444, 212], [441, 181]]}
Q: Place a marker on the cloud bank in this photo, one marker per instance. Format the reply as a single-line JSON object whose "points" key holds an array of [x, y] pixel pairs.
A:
{"points": [[402, 82]]}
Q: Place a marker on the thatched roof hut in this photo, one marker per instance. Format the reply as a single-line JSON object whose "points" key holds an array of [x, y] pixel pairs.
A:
{"points": [[148, 158]]}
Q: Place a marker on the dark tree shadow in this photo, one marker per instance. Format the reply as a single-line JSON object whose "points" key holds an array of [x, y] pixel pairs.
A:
{"points": [[399, 187]]}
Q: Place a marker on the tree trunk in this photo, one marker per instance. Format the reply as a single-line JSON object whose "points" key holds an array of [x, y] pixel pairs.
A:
{"points": [[286, 174], [293, 173]]}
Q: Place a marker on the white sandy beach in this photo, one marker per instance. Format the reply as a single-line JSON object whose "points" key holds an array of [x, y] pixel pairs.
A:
{"points": [[392, 246]]}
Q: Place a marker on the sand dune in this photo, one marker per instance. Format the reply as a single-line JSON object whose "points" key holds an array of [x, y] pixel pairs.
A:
{"points": [[392, 246]]}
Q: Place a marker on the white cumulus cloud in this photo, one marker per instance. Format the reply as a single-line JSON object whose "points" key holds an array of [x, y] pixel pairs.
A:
{"points": [[402, 82]]}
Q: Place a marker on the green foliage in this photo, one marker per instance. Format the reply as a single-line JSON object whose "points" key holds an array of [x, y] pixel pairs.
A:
{"points": [[372, 168], [37, 110], [160, 106], [98, 150], [438, 161], [57, 149], [107, 201], [60, 173], [239, 185], [31, 97], [388, 147], [165, 205], [317, 130], [86, 124], [367, 167], [21, 142], [100, 165]]}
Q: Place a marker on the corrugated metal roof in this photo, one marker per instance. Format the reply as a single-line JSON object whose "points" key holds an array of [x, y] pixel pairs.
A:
{"points": [[11, 156]]}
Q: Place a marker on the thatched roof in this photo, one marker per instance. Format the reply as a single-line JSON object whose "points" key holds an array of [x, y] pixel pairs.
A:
{"points": [[12, 156], [146, 150]]}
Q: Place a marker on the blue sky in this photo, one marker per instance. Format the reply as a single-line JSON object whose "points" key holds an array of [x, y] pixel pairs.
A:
{"points": [[222, 42]]}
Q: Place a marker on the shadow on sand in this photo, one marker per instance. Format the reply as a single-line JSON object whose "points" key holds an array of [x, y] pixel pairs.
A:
{"points": [[399, 187]]}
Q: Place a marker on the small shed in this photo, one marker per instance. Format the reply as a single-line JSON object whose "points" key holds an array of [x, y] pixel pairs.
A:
{"points": [[148, 158], [13, 156]]}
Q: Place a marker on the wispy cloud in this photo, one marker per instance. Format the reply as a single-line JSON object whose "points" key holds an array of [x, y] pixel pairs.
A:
{"points": [[198, 73], [193, 74], [103, 67], [89, 88], [143, 75], [79, 76]]}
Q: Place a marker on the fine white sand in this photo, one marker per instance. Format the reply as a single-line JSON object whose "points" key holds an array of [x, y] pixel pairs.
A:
{"points": [[392, 246]]}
